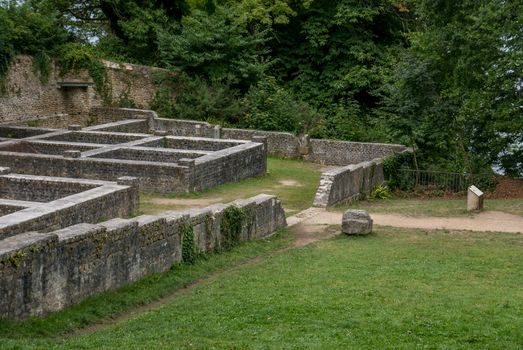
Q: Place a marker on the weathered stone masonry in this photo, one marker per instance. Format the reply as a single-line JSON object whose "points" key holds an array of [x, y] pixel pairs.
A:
{"points": [[39, 203], [27, 96], [348, 183], [161, 163], [45, 272]]}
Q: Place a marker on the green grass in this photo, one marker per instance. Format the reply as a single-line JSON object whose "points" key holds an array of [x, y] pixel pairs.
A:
{"points": [[394, 289], [433, 207], [293, 181], [153, 287]]}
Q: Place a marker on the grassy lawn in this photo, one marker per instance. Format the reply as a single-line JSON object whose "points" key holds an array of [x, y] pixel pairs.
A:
{"points": [[394, 289], [433, 207], [293, 181]]}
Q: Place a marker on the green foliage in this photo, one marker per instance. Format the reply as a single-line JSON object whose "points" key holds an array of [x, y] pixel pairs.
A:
{"points": [[189, 249], [43, 65], [337, 55], [14, 259], [24, 31], [442, 77], [392, 164], [192, 97], [215, 48], [380, 191], [457, 95], [102, 85], [269, 106], [231, 226], [75, 57]]}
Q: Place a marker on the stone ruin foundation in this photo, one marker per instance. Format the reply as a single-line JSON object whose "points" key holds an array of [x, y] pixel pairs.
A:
{"points": [[67, 197], [160, 162]]}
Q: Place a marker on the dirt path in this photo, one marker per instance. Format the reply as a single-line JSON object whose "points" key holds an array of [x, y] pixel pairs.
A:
{"points": [[494, 221]]}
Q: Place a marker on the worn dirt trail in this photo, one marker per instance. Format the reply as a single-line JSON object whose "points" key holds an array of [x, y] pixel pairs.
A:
{"points": [[493, 221]]}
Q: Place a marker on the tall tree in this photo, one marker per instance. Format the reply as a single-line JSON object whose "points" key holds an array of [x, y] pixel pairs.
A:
{"points": [[458, 89]]}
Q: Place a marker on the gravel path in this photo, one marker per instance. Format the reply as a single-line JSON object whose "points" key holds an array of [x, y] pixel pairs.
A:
{"points": [[486, 221]]}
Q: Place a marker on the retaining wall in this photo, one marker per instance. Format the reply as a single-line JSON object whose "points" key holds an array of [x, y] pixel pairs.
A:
{"points": [[45, 272], [348, 183]]}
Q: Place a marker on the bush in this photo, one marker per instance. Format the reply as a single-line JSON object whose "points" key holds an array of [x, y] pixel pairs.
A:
{"points": [[269, 106], [191, 97], [380, 191], [392, 164]]}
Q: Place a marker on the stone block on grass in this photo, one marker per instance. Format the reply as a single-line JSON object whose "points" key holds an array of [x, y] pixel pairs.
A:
{"points": [[356, 222]]}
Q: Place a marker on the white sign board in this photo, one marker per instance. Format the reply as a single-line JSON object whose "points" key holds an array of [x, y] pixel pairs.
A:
{"points": [[476, 191]]}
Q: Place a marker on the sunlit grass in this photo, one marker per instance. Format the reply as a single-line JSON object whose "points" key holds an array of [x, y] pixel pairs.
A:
{"points": [[293, 181]]}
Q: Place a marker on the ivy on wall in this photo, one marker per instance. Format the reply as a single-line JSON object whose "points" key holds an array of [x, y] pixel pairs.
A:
{"points": [[189, 249], [231, 226]]}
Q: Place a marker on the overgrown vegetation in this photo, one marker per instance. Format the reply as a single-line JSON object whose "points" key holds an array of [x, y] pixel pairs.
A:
{"points": [[231, 226], [189, 249]]}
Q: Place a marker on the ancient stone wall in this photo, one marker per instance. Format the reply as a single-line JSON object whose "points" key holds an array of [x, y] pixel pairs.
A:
{"points": [[53, 103], [45, 272], [49, 203], [160, 177], [284, 144], [235, 163], [341, 185], [332, 152]]}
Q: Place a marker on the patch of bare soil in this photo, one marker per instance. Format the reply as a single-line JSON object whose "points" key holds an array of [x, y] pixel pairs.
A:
{"points": [[507, 188], [290, 183], [190, 202], [309, 233]]}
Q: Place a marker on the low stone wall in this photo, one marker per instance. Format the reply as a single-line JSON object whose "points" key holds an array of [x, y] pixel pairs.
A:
{"points": [[49, 147], [348, 183], [161, 163], [126, 126], [332, 152], [102, 115], [45, 272], [284, 144], [20, 132], [229, 165], [150, 154], [47, 203], [99, 137], [159, 177], [39, 189]]}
